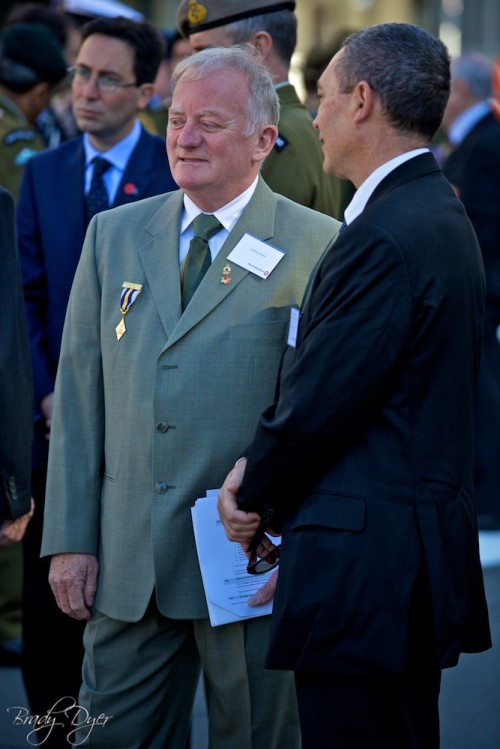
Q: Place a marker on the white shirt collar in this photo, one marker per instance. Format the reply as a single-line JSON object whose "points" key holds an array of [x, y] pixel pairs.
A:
{"points": [[227, 215], [364, 191], [119, 154], [463, 124]]}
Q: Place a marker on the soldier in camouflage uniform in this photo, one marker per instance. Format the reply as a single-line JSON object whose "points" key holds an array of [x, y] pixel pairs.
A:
{"points": [[31, 66]]}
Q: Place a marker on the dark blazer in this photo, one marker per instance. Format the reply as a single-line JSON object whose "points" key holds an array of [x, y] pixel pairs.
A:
{"points": [[474, 170], [365, 459], [16, 397], [51, 229]]}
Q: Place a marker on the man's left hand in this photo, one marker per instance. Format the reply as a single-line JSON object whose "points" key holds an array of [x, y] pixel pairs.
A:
{"points": [[240, 526], [12, 531]]}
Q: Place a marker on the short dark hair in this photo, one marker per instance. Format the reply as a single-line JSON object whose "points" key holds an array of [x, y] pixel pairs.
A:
{"points": [[142, 36], [406, 66]]}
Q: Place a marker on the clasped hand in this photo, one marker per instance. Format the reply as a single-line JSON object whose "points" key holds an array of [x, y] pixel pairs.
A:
{"points": [[242, 527]]}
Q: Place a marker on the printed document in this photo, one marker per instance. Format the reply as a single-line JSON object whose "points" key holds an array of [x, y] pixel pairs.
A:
{"points": [[223, 566]]}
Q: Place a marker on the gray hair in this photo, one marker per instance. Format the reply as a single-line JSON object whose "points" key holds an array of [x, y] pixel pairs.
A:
{"points": [[407, 67], [263, 103], [476, 71], [280, 25]]}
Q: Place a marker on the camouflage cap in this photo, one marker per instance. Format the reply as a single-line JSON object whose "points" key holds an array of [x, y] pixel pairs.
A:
{"points": [[193, 16], [36, 47]]}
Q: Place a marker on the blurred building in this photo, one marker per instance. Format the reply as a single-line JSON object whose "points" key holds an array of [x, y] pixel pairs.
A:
{"points": [[462, 24]]}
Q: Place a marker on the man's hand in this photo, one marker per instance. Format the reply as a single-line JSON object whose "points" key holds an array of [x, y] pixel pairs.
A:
{"points": [[240, 526], [12, 531], [73, 579], [266, 593], [47, 407]]}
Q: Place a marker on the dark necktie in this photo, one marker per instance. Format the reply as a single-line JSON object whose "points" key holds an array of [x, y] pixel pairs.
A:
{"points": [[198, 259], [97, 197]]}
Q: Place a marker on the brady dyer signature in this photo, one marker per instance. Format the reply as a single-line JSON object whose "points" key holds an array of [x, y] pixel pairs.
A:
{"points": [[65, 713]]}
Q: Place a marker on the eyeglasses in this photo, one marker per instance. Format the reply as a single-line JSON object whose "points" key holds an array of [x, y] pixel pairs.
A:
{"points": [[106, 82], [260, 565]]}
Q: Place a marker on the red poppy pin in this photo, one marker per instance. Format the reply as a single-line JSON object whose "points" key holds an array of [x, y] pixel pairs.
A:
{"points": [[130, 189]]}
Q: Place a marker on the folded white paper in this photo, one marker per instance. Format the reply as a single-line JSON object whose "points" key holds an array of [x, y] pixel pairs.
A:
{"points": [[223, 567]]}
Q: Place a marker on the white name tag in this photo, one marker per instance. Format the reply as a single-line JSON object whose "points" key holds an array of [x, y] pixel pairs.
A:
{"points": [[294, 327], [256, 256]]}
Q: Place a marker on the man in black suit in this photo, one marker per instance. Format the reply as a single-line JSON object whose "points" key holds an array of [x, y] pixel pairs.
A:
{"points": [[16, 399], [365, 460], [473, 168]]}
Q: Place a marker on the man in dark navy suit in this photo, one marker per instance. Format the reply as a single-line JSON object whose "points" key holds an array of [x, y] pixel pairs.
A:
{"points": [[112, 81], [16, 428], [365, 460], [473, 168]]}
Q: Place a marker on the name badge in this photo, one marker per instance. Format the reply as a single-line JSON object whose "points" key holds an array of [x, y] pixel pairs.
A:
{"points": [[256, 256], [294, 327]]}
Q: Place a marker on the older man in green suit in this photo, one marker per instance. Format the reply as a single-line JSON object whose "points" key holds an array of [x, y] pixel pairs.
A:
{"points": [[156, 393]]}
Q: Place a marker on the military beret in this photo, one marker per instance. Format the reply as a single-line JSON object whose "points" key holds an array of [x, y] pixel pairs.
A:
{"points": [[36, 47], [193, 16]]}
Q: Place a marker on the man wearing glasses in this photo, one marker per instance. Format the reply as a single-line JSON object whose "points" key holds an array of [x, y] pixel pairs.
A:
{"points": [[112, 80]]}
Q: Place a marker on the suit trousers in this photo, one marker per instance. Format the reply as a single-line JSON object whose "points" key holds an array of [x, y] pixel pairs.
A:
{"points": [[48, 675], [369, 712], [145, 674]]}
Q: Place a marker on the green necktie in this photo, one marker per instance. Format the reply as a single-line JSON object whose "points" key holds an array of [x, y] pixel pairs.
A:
{"points": [[198, 259]]}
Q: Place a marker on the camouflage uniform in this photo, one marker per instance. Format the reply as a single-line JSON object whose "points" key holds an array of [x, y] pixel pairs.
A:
{"points": [[294, 167], [19, 141]]}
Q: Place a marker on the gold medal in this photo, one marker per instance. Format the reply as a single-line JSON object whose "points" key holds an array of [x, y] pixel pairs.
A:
{"points": [[120, 328]]}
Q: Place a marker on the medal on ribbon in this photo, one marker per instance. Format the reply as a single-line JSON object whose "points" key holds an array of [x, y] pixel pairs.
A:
{"points": [[129, 294]]}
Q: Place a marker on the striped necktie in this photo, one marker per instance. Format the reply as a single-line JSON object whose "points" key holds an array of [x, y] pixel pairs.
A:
{"points": [[97, 199]]}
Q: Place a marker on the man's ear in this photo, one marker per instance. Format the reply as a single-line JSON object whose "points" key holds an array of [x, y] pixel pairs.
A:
{"points": [[263, 42], [265, 143], [364, 98], [146, 91]]}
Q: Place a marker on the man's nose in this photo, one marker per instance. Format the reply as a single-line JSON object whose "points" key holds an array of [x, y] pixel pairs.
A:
{"points": [[189, 135]]}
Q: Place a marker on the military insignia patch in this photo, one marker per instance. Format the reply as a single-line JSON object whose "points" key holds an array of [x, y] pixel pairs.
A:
{"points": [[16, 135], [24, 156], [281, 143], [196, 13]]}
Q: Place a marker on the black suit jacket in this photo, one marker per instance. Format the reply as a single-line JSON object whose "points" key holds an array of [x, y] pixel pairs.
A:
{"points": [[474, 170], [16, 398], [365, 459]]}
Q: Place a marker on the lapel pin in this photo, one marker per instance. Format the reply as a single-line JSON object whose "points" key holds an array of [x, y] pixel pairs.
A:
{"points": [[226, 278], [130, 189]]}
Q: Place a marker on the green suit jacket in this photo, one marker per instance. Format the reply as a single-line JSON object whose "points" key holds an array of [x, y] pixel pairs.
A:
{"points": [[144, 425]]}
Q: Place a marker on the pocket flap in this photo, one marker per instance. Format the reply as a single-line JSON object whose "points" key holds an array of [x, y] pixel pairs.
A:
{"points": [[331, 510]]}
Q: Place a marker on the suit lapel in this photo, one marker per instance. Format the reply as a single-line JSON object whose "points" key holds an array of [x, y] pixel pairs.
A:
{"points": [[137, 174], [70, 199], [159, 255], [257, 219]]}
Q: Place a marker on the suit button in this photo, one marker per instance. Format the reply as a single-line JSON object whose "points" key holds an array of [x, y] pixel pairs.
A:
{"points": [[162, 427], [161, 487]]}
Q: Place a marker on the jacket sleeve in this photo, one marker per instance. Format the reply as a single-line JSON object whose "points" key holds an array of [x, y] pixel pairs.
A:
{"points": [[16, 397]]}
